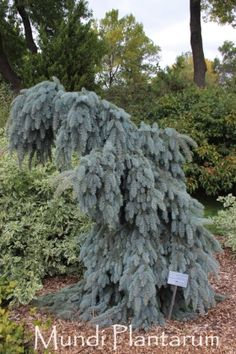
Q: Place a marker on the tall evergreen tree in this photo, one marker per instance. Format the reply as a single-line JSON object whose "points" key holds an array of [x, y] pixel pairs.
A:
{"points": [[44, 38], [72, 52], [131, 183], [12, 47]]}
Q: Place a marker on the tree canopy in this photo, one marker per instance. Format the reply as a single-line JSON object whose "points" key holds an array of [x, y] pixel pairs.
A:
{"points": [[220, 11], [226, 68], [179, 76], [40, 39], [130, 55]]}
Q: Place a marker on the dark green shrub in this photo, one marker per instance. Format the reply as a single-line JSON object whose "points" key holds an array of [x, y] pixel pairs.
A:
{"points": [[225, 221], [5, 101], [209, 117]]}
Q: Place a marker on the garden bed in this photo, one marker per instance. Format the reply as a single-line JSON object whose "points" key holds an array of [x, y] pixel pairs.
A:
{"points": [[219, 321]]}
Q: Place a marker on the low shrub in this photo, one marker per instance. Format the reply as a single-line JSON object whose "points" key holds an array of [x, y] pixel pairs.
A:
{"points": [[12, 338], [225, 221], [11, 335], [209, 117], [39, 233], [5, 101], [6, 291]]}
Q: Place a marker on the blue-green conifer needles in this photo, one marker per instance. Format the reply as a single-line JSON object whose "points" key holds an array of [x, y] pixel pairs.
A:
{"points": [[31, 122], [131, 183]]}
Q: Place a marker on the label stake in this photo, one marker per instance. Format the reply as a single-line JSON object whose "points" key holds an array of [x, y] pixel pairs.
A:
{"points": [[172, 302]]}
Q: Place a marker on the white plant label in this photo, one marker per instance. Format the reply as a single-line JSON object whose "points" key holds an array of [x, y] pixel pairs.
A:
{"points": [[178, 279]]}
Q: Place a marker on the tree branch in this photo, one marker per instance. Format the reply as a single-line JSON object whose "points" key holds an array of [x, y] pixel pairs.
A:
{"points": [[27, 26], [6, 70]]}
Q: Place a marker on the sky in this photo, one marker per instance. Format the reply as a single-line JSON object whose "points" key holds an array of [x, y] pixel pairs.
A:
{"points": [[166, 22]]}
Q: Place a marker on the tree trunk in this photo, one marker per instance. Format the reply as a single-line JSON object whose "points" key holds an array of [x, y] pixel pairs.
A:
{"points": [[199, 63], [6, 70], [27, 26]]}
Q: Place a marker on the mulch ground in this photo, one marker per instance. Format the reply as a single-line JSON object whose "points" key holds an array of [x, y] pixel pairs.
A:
{"points": [[220, 322]]}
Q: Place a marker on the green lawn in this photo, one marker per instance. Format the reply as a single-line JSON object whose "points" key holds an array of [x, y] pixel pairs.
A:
{"points": [[212, 206]]}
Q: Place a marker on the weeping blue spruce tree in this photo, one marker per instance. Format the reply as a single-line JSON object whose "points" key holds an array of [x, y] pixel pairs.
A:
{"points": [[130, 181]]}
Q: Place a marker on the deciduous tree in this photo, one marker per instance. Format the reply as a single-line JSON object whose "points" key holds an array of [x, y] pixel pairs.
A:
{"points": [[199, 63], [217, 10], [226, 68], [130, 54]]}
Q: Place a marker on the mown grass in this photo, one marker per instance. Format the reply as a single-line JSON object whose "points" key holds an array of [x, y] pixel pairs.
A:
{"points": [[212, 206]]}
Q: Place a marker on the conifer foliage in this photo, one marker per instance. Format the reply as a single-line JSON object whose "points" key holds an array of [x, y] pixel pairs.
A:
{"points": [[31, 130], [131, 183]]}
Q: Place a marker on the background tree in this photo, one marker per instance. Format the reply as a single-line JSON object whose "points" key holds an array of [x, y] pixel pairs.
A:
{"points": [[40, 39], [220, 11], [226, 68], [199, 63], [130, 55], [179, 76], [130, 62], [20, 7], [217, 10], [12, 46], [72, 52]]}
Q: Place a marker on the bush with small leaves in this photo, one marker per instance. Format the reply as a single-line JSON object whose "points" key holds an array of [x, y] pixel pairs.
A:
{"points": [[225, 221], [5, 103], [39, 233], [12, 339]]}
